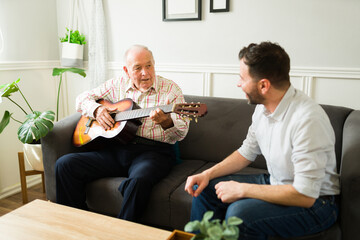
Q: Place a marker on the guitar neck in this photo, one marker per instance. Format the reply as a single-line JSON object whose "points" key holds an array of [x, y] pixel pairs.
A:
{"points": [[141, 113]]}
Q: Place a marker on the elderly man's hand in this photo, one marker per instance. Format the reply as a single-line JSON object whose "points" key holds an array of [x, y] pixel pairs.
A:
{"points": [[159, 117], [103, 117]]}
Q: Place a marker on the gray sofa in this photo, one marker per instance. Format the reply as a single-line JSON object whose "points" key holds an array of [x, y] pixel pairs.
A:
{"points": [[215, 136]]}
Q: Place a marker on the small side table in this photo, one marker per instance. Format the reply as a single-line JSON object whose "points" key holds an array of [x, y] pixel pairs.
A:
{"points": [[24, 173]]}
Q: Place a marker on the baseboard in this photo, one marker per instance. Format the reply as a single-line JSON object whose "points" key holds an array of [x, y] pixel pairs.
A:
{"points": [[9, 191]]}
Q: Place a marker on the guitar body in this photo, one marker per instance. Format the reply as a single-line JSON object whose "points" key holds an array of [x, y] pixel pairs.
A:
{"points": [[123, 131], [127, 121]]}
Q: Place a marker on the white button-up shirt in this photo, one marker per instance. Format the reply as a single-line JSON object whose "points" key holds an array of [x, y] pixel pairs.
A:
{"points": [[298, 143]]}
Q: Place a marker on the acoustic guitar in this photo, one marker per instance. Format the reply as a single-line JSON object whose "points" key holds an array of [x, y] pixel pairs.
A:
{"points": [[126, 118]]}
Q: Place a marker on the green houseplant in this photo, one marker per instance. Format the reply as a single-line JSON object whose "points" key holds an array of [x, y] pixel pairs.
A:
{"points": [[214, 229], [59, 72], [72, 48], [75, 37], [36, 125]]}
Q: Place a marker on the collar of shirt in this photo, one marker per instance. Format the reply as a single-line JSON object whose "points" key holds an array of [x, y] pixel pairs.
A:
{"points": [[131, 87], [280, 110]]}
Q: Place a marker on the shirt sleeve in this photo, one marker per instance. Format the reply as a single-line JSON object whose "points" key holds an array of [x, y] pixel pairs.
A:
{"points": [[86, 101], [313, 145], [181, 124], [250, 148]]}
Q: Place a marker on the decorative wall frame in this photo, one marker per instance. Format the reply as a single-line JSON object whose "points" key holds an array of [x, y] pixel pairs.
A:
{"points": [[219, 5], [181, 10]]}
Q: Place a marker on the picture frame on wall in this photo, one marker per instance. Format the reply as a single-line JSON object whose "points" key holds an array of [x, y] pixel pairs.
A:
{"points": [[219, 5], [181, 10]]}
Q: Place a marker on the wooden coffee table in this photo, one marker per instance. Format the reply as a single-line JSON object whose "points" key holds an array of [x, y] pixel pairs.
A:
{"points": [[45, 220]]}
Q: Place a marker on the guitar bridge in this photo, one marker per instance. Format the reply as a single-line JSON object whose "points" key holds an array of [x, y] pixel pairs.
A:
{"points": [[88, 125]]}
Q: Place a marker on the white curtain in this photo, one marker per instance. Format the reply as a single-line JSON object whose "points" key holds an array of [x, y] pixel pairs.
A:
{"points": [[88, 16]]}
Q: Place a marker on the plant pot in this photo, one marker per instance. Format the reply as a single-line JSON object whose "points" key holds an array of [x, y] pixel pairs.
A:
{"points": [[180, 235], [33, 155], [72, 55]]}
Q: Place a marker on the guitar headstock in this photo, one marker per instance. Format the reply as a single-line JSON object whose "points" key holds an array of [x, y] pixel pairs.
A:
{"points": [[191, 109]]}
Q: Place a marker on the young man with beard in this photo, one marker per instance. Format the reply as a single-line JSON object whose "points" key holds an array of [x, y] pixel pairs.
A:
{"points": [[296, 138]]}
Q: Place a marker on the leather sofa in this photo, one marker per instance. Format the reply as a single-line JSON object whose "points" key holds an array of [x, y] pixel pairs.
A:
{"points": [[210, 140]]}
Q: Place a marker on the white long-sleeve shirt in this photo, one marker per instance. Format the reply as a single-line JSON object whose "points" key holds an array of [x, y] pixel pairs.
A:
{"points": [[298, 143]]}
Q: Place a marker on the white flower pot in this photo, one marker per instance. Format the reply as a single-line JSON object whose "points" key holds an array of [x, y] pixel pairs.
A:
{"points": [[33, 155], [72, 55]]}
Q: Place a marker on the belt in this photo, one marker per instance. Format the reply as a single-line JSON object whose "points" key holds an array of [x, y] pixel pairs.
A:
{"points": [[145, 141], [327, 197]]}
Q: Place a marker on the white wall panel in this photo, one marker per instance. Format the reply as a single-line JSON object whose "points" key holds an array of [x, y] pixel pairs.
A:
{"points": [[190, 83], [225, 85], [342, 92]]}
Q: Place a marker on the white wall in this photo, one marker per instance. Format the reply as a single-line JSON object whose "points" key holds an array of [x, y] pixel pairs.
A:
{"points": [[30, 48], [321, 37]]}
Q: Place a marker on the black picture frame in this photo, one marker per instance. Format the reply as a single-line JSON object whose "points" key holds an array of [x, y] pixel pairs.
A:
{"points": [[214, 9], [185, 16]]}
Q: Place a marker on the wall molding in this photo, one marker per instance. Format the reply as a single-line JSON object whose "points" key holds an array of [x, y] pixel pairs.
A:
{"points": [[323, 72], [28, 65]]}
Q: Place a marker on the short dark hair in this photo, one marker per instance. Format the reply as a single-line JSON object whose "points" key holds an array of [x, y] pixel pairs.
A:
{"points": [[267, 60]]}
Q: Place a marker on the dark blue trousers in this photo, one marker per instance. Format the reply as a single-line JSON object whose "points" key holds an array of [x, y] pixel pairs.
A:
{"points": [[142, 165], [263, 219]]}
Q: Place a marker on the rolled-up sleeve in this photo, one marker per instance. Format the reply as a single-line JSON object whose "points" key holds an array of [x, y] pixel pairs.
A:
{"points": [[250, 148], [313, 146], [86, 101]]}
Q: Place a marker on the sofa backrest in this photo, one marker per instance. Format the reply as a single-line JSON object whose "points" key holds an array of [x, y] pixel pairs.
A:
{"points": [[220, 132], [337, 116], [225, 126]]}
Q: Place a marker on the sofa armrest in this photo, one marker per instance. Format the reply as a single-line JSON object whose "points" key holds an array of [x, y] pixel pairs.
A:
{"points": [[55, 144], [350, 177]]}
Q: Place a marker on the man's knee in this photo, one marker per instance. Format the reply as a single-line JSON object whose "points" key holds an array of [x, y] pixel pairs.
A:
{"points": [[64, 163], [246, 209]]}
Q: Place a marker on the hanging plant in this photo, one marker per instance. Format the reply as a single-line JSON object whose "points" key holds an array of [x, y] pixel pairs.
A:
{"points": [[72, 51], [75, 37]]}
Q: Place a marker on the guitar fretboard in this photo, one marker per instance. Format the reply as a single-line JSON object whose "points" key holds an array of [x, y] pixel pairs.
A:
{"points": [[141, 113]]}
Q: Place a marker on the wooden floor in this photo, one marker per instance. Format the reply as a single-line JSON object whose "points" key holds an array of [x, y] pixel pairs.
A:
{"points": [[11, 203]]}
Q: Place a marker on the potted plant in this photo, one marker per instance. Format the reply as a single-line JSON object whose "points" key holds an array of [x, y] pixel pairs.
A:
{"points": [[35, 126], [213, 229], [72, 48], [59, 72]]}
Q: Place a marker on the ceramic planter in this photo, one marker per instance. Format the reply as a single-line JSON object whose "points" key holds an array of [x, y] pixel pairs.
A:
{"points": [[72, 55], [33, 155]]}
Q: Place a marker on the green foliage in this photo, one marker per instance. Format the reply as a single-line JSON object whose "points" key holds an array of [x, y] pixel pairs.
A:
{"points": [[59, 72], [75, 37], [214, 229], [36, 125]]}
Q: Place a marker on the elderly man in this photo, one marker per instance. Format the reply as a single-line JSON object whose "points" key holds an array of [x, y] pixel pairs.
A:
{"points": [[296, 138], [144, 161]]}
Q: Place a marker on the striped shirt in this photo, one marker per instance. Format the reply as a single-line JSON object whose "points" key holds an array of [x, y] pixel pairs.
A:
{"points": [[163, 92]]}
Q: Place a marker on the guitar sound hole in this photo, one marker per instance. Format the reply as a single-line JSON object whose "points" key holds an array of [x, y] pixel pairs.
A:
{"points": [[113, 115]]}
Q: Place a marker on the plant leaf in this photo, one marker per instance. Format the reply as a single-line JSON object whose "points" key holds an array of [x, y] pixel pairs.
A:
{"points": [[59, 71], [5, 120], [192, 226], [233, 221], [208, 215], [215, 232], [7, 89], [230, 232], [36, 126]]}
